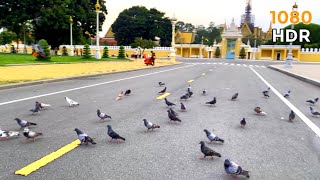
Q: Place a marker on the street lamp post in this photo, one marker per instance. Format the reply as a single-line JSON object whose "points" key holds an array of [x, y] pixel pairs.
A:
{"points": [[97, 55], [173, 44], [24, 39], [201, 47], [71, 46], [289, 58], [255, 49]]}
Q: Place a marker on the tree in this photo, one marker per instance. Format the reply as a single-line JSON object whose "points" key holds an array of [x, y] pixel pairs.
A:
{"points": [[122, 53], [138, 21], [64, 51], [50, 19], [217, 53], [43, 50], [252, 39], [184, 27], [143, 44], [105, 53], [6, 37], [242, 53], [86, 52]]}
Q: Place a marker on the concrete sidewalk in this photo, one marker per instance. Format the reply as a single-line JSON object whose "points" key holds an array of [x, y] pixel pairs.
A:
{"points": [[305, 72]]}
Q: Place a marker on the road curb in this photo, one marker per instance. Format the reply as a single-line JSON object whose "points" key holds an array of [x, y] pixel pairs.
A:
{"points": [[16, 85], [300, 77]]}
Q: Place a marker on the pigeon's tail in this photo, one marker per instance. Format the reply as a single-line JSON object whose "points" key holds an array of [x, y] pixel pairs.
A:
{"points": [[34, 124], [156, 126], [221, 140], [178, 120], [310, 101], [91, 140], [245, 173], [122, 138], [45, 105], [39, 134], [263, 113], [217, 154]]}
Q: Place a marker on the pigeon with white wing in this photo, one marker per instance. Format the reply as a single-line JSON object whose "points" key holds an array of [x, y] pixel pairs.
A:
{"points": [[71, 102], [150, 125], [30, 134], [212, 137], [8, 134], [102, 116], [314, 112], [83, 137], [232, 168], [120, 95]]}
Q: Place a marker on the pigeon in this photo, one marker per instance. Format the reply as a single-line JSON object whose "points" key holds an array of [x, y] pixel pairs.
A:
{"points": [[83, 137], [291, 116], [314, 112], [30, 134], [161, 83], [189, 93], [235, 96], [183, 107], [173, 112], [204, 92], [42, 105], [150, 125], [24, 123], [189, 88], [113, 134], [243, 122], [120, 95], [287, 94], [168, 103], [127, 92], [259, 111], [184, 97], [172, 117], [313, 101], [213, 102], [232, 168], [163, 91], [207, 151], [266, 93], [212, 137], [102, 116], [71, 102], [36, 109], [7, 134]]}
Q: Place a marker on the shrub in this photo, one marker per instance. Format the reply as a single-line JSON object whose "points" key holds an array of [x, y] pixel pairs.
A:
{"points": [[122, 53], [13, 50], [105, 53], [86, 52], [43, 50], [64, 51], [242, 53], [217, 53]]}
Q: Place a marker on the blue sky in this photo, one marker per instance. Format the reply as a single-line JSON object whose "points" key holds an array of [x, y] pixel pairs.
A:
{"points": [[202, 12]]}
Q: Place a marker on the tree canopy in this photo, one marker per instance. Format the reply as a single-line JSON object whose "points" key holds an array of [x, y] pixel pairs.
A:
{"points": [[208, 35], [139, 22], [50, 19]]}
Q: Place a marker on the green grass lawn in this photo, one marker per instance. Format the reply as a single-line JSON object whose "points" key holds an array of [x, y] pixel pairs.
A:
{"points": [[6, 59]]}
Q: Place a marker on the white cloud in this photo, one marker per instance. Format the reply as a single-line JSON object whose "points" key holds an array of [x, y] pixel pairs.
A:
{"points": [[204, 11]]}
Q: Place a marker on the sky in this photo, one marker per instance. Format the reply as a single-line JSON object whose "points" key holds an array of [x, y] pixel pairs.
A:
{"points": [[202, 12]]}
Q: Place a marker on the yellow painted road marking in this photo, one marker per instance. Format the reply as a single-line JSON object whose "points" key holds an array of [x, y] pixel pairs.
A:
{"points": [[190, 81], [25, 171], [163, 96]]}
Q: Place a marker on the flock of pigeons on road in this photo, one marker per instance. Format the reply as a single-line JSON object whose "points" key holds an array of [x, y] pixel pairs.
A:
{"points": [[231, 167]]}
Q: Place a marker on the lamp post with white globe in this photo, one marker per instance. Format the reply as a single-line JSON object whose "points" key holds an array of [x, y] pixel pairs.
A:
{"points": [[98, 54]]}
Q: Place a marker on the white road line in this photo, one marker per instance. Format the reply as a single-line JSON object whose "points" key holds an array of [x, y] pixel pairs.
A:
{"points": [[257, 66], [244, 65], [263, 66], [220, 63], [304, 118], [226, 63], [214, 63], [92, 85], [250, 66], [232, 64], [238, 64]]}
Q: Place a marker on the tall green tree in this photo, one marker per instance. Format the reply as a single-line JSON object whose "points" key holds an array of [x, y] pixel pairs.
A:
{"points": [[6, 37], [139, 22], [184, 27], [143, 44], [50, 19]]}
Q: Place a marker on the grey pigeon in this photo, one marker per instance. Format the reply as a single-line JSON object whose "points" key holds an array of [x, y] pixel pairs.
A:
{"points": [[150, 125], [314, 112], [291, 116], [83, 137], [127, 92], [184, 97], [172, 117], [243, 122], [266, 93], [24, 123], [232, 168], [173, 112], [102, 116], [113, 134], [234, 97], [36, 109], [161, 83], [313, 101], [287, 94], [168, 103], [212, 137], [189, 93], [213, 102], [204, 92], [207, 151], [163, 91], [183, 107], [30, 134]]}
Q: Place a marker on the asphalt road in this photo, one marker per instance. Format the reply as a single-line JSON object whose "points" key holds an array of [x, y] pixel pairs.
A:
{"points": [[269, 147]]}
